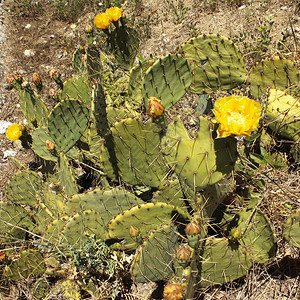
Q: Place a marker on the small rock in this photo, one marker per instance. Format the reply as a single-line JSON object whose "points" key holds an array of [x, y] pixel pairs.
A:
{"points": [[28, 26], [7, 153], [29, 52], [4, 125]]}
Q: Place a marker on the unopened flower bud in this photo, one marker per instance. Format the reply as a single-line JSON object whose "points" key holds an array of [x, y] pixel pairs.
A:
{"points": [[36, 78], [134, 231], [53, 73], [193, 228], [88, 28], [236, 233], [18, 77], [183, 252], [10, 79], [173, 291], [50, 146], [155, 108]]}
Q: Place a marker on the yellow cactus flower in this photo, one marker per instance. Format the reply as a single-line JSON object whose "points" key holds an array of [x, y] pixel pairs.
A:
{"points": [[13, 132], [114, 13], [155, 108], [237, 115], [102, 21]]}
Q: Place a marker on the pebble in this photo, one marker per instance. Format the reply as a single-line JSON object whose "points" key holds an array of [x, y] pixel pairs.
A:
{"points": [[4, 125], [29, 52]]}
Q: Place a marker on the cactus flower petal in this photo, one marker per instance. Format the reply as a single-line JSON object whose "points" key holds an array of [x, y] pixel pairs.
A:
{"points": [[237, 115], [155, 108], [173, 291], [114, 13], [13, 132], [102, 21]]}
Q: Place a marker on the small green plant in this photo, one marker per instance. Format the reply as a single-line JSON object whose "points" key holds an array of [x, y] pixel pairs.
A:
{"points": [[178, 8]]}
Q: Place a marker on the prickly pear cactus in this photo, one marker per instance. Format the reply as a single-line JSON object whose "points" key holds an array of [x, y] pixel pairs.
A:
{"points": [[153, 259], [29, 264], [291, 230], [168, 79], [277, 73], [138, 155], [283, 114], [201, 161], [216, 63], [67, 122]]}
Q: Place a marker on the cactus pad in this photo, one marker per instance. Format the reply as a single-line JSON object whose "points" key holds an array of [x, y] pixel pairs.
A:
{"points": [[216, 63], [138, 153], [277, 73], [201, 161], [257, 235], [30, 263], [67, 122], [223, 262], [168, 79], [77, 88], [153, 259], [292, 230], [33, 108], [24, 187], [145, 217]]}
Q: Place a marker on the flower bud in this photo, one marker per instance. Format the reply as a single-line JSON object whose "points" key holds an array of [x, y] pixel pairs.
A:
{"points": [[36, 77], [18, 77], [134, 231], [10, 79], [236, 233], [173, 291], [88, 28], [193, 228], [155, 108], [50, 146], [54, 74], [183, 252]]}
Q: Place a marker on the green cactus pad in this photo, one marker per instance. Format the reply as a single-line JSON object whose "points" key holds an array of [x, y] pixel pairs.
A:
{"points": [[278, 73], [212, 196], [257, 235], [14, 218], [66, 176], [153, 259], [79, 228], [54, 229], [108, 203], [67, 122], [283, 115], [77, 88], [168, 79], [29, 264], [216, 63], [135, 82], [123, 43], [93, 62], [201, 161], [79, 60], [24, 187], [223, 262], [66, 290], [33, 108], [291, 231], [171, 193], [40, 288], [138, 154], [39, 137], [146, 217]]}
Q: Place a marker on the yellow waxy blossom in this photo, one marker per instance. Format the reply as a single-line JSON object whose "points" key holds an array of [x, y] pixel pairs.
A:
{"points": [[102, 21], [114, 13], [237, 115], [13, 132]]}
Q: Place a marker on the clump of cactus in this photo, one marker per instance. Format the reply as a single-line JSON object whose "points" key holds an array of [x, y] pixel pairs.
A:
{"points": [[158, 187]]}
